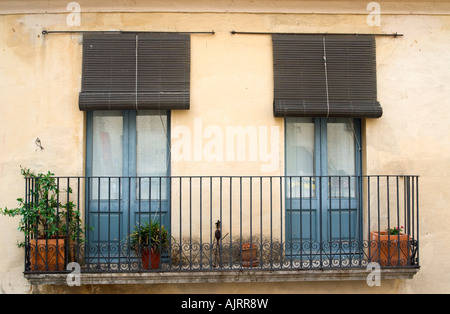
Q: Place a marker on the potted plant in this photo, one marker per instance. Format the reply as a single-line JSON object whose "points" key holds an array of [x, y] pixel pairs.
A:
{"points": [[249, 254], [391, 247], [46, 222], [148, 240]]}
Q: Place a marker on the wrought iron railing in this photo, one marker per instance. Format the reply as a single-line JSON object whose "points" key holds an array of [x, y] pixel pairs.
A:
{"points": [[220, 223]]}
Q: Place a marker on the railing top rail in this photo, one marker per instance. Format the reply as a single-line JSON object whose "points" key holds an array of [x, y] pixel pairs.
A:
{"points": [[233, 176]]}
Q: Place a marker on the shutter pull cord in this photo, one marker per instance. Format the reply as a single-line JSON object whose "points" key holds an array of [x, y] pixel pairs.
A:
{"points": [[326, 75]]}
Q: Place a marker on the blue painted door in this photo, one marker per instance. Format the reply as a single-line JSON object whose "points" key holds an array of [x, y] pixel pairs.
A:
{"points": [[127, 168], [323, 165]]}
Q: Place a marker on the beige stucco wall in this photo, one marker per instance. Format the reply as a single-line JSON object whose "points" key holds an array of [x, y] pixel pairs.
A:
{"points": [[231, 86]]}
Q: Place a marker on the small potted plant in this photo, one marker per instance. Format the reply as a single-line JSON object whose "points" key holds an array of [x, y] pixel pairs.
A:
{"points": [[148, 240], [46, 223], [390, 247], [249, 254]]}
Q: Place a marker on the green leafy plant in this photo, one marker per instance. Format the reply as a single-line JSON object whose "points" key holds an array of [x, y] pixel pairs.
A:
{"points": [[43, 214], [153, 235], [395, 231]]}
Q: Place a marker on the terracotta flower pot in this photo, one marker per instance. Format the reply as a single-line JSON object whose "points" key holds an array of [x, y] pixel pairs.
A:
{"points": [[47, 254], [150, 258], [389, 250], [249, 255]]}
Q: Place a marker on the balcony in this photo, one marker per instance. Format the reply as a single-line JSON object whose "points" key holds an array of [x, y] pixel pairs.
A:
{"points": [[226, 227]]}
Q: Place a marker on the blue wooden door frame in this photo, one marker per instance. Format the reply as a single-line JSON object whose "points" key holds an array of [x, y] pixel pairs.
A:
{"points": [[114, 219], [322, 224]]}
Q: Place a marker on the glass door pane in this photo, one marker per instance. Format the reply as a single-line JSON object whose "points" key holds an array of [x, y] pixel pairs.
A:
{"points": [[300, 161], [107, 153], [341, 157], [152, 158]]}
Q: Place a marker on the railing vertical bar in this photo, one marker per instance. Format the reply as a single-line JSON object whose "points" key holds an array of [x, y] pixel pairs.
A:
{"points": [[341, 250], [190, 222], [410, 204], [150, 180], [413, 189], [109, 223], [271, 225], [310, 217], [221, 219], [129, 213], [405, 203], [251, 222], [119, 220], [398, 216], [68, 223], [326, 240], [356, 238], [150, 221], [47, 249], [388, 216], [36, 201], [359, 215], [407, 212], [416, 234], [88, 215], [301, 220], [231, 222], [379, 219], [240, 220], [160, 248], [411, 209], [169, 207], [201, 222], [36, 231], [411, 213], [99, 224], [149, 213], [350, 217], [181, 216], [28, 261], [26, 204], [261, 222], [330, 222], [340, 220], [321, 191], [78, 245], [282, 250], [141, 266], [291, 218], [369, 226], [210, 219]]}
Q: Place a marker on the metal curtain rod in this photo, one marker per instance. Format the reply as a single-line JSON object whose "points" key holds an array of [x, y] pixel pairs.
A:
{"points": [[320, 34], [45, 32]]}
